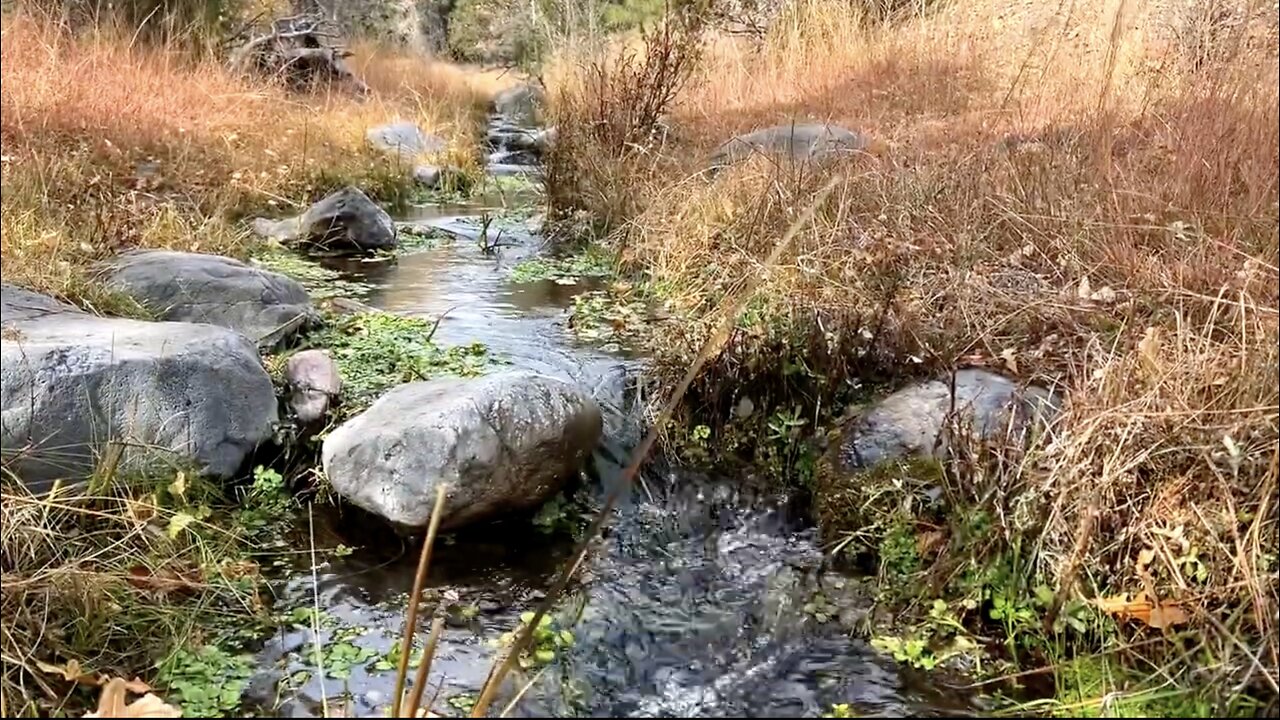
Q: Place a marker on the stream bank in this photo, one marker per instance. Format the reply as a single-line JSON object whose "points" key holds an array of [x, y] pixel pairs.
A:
{"points": [[708, 596]]}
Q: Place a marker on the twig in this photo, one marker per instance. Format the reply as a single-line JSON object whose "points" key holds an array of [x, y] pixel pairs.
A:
{"points": [[315, 615], [415, 598], [424, 667], [712, 344]]}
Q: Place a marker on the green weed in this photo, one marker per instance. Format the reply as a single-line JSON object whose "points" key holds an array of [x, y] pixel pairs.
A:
{"points": [[417, 238], [376, 351], [321, 282], [602, 317], [548, 641], [594, 262], [206, 682]]}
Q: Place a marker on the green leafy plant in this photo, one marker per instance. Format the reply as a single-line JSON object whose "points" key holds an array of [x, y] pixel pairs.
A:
{"points": [[462, 701], [375, 351], [411, 239], [594, 262], [820, 608], [547, 642], [841, 710], [339, 657], [206, 682], [321, 282]]}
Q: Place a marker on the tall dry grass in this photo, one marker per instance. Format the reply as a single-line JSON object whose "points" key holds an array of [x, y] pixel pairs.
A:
{"points": [[111, 143], [1082, 195]]}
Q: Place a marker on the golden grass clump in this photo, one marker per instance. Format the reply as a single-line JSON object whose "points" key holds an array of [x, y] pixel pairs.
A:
{"points": [[1084, 197], [111, 143]]}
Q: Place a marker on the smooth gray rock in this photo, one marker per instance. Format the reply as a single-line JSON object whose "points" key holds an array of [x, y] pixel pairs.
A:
{"points": [[802, 141], [284, 230], [910, 422], [262, 305], [73, 383], [427, 176], [314, 383], [22, 304], [520, 103], [346, 221], [502, 443], [404, 140]]}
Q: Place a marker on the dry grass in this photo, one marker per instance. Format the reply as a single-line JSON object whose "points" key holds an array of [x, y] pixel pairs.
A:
{"points": [[97, 579], [1081, 194], [111, 144]]}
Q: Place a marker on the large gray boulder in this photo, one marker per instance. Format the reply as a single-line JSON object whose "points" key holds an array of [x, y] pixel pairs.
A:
{"points": [[502, 443], [803, 141], [346, 221], [910, 422], [74, 384], [520, 104], [262, 305], [404, 141]]}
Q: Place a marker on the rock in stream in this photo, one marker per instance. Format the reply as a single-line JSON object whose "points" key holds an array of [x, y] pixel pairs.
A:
{"points": [[503, 443], [178, 393], [346, 221], [262, 305]]}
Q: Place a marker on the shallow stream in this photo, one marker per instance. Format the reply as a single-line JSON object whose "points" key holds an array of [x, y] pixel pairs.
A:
{"points": [[700, 600]]}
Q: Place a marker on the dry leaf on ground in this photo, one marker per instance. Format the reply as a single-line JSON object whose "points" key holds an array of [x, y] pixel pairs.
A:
{"points": [[112, 702], [1141, 608]]}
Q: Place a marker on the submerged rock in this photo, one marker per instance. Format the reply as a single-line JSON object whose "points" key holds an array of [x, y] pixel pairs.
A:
{"points": [[74, 384], [502, 443], [910, 422], [314, 384], [404, 140], [262, 305], [346, 221], [803, 141]]}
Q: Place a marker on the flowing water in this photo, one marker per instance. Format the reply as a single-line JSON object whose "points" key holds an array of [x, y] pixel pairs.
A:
{"points": [[697, 602]]}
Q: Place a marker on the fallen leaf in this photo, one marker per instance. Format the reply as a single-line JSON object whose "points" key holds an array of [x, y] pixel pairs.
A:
{"points": [[111, 703], [928, 540], [1010, 357], [1163, 616], [164, 581], [1084, 290], [72, 672], [179, 485], [1142, 609]]}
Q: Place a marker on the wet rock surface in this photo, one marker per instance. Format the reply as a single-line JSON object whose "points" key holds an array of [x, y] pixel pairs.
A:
{"points": [[344, 222]]}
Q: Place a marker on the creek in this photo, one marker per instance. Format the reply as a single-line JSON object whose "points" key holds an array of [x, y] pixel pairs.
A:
{"points": [[707, 595]]}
